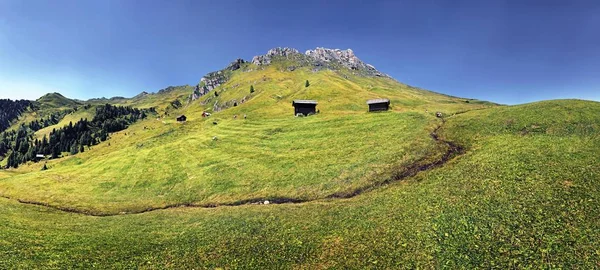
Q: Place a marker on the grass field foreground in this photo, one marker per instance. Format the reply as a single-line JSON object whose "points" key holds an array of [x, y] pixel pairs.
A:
{"points": [[514, 200]]}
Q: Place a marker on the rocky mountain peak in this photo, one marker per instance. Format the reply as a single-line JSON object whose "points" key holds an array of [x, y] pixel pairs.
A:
{"points": [[320, 58], [235, 65], [279, 51], [327, 55], [282, 51], [345, 57]]}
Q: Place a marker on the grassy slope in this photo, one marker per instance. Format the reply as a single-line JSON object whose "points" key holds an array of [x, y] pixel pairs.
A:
{"points": [[524, 194], [72, 117], [250, 159], [270, 154], [49, 103], [337, 93], [27, 117], [160, 100], [56, 100], [516, 199]]}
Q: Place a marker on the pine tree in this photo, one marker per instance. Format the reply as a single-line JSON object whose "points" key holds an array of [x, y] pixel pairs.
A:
{"points": [[251, 88], [74, 149], [13, 160], [56, 151], [307, 84]]}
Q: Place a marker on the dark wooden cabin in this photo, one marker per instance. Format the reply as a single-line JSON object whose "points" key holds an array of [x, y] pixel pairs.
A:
{"points": [[380, 104], [304, 107], [181, 118]]}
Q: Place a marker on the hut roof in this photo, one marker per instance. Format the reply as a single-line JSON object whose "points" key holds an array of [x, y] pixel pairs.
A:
{"points": [[181, 116], [378, 100], [40, 156], [304, 101]]}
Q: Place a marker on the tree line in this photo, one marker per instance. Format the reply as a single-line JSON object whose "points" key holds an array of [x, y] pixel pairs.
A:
{"points": [[11, 110], [11, 138], [72, 138]]}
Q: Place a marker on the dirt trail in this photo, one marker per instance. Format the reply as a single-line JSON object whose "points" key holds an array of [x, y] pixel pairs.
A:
{"points": [[453, 150]]}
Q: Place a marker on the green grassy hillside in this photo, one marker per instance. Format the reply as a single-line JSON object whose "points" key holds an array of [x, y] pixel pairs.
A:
{"points": [[72, 117], [172, 163], [269, 155], [44, 107], [57, 101], [338, 92], [488, 186], [514, 199], [161, 100]]}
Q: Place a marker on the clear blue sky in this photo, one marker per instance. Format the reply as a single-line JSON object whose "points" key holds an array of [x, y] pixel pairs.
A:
{"points": [[503, 51]]}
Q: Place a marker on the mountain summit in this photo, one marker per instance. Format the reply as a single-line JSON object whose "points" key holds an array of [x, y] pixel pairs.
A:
{"points": [[320, 58], [291, 59]]}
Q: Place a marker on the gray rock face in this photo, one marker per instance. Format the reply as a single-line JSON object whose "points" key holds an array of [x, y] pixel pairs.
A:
{"points": [[345, 57], [213, 79], [235, 65], [209, 82], [266, 59], [320, 58], [198, 92]]}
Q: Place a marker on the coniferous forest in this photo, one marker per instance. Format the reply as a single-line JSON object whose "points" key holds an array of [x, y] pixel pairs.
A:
{"points": [[10, 110], [21, 145]]}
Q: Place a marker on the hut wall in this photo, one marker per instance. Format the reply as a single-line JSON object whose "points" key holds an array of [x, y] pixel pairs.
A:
{"points": [[378, 107], [304, 109]]}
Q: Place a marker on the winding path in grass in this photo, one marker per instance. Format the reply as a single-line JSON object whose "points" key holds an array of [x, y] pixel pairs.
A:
{"points": [[453, 150]]}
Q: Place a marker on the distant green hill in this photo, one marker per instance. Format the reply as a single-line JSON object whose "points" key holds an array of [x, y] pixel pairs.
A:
{"points": [[56, 101]]}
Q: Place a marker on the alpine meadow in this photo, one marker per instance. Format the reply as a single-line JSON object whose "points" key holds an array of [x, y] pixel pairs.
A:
{"points": [[226, 174]]}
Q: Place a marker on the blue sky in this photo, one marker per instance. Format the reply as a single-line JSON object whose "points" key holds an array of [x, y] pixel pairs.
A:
{"points": [[504, 51]]}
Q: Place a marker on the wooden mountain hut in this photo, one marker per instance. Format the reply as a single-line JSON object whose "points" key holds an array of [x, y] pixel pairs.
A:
{"points": [[380, 104], [304, 107]]}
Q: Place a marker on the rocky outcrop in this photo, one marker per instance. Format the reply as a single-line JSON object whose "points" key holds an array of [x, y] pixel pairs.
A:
{"points": [[344, 57], [266, 59], [166, 90], [235, 65], [211, 81], [320, 58], [228, 104], [198, 92], [141, 95], [317, 59]]}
